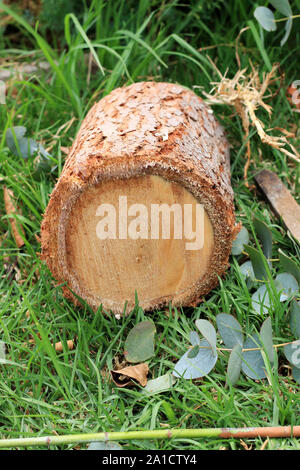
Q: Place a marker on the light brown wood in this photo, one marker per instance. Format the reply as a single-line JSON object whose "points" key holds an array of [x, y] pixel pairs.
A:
{"points": [[113, 269], [154, 143], [281, 200]]}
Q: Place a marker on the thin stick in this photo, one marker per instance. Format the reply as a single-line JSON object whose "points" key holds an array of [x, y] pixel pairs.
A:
{"points": [[223, 433]]}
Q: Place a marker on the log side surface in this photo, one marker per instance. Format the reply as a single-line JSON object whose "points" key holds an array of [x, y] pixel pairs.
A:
{"points": [[147, 128]]}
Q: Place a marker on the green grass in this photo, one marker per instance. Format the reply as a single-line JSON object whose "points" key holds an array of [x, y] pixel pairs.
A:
{"points": [[69, 392]]}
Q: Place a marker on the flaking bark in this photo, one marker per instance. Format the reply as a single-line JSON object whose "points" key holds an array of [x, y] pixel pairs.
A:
{"points": [[147, 128]]}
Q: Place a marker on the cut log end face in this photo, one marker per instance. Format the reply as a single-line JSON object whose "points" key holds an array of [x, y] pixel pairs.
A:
{"points": [[144, 235], [144, 204]]}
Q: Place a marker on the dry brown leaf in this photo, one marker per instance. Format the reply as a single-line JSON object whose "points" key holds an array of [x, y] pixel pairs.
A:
{"points": [[10, 208], [130, 375]]}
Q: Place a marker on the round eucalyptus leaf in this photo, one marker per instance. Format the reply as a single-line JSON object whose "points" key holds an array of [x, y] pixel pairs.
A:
{"points": [[194, 338], [265, 236], [283, 6], [265, 18], [258, 261], [230, 330], [209, 333], [247, 270], [288, 28], [295, 318], [289, 265], [24, 146], [15, 133], [160, 384], [193, 352], [234, 365], [241, 240], [266, 337], [292, 353], [253, 364], [261, 300], [139, 344], [296, 374], [198, 366], [286, 285]]}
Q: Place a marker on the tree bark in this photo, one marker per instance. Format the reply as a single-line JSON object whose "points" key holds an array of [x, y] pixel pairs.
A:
{"points": [[154, 143]]}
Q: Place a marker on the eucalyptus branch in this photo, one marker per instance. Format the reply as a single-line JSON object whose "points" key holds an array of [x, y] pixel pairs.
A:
{"points": [[222, 433], [258, 349], [249, 349]]}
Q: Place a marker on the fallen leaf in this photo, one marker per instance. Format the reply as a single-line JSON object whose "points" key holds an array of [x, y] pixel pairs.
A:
{"points": [[130, 375], [139, 344], [10, 208], [160, 384]]}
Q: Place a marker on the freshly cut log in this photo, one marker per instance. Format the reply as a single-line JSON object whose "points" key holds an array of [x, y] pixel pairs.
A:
{"points": [[144, 203]]}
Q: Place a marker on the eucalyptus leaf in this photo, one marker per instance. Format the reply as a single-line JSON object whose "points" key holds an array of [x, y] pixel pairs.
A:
{"points": [[247, 270], [139, 344], [266, 337], [197, 367], [104, 445], [283, 6], [286, 285], [292, 353], [27, 147], [194, 338], [241, 240], [261, 300], [288, 28], [230, 330], [193, 352], [160, 384], [265, 18], [289, 265], [16, 133], [265, 236], [295, 318], [234, 365], [253, 364], [248, 274], [296, 374], [258, 261], [209, 333]]}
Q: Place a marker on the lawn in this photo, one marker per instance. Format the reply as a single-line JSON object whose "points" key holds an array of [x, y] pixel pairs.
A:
{"points": [[90, 52]]}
